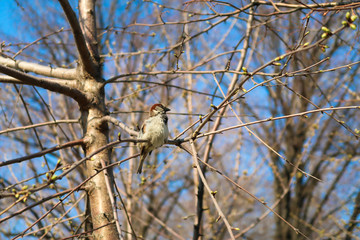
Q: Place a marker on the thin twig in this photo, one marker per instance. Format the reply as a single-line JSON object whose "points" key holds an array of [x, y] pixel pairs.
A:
{"points": [[194, 154], [42, 153]]}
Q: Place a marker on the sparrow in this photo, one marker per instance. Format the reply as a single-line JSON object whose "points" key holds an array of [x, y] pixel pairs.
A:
{"points": [[155, 130]]}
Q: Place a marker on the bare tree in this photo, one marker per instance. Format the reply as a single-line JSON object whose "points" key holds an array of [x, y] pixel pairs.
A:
{"points": [[263, 128]]}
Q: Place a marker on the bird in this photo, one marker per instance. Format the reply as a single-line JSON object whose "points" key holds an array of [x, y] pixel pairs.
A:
{"points": [[154, 130]]}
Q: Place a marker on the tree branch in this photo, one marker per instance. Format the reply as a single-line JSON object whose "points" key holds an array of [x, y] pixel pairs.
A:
{"points": [[55, 86], [42, 153], [202, 177], [7, 79], [352, 4], [48, 71], [80, 42], [121, 125], [39, 125]]}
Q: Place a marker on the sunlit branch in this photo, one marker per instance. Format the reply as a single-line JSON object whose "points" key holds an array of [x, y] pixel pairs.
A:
{"points": [[110, 191], [42, 153], [87, 233], [203, 179], [36, 41], [196, 159], [170, 230], [77, 187], [38, 202], [7, 79], [121, 125], [59, 220], [301, 114], [79, 37], [39, 125], [62, 73], [125, 210], [314, 6], [248, 76], [57, 86], [165, 85]]}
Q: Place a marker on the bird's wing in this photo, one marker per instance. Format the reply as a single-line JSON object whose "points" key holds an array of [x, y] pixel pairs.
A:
{"points": [[142, 151], [142, 130], [143, 127]]}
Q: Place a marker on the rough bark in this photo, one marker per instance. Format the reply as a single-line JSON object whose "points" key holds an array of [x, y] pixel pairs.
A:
{"points": [[96, 131]]}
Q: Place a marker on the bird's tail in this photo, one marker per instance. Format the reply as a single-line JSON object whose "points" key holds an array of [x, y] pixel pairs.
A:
{"points": [[143, 155]]}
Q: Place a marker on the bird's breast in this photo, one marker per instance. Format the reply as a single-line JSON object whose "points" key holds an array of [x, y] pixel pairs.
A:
{"points": [[156, 132]]}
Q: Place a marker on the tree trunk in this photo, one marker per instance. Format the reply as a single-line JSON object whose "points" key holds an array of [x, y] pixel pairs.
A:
{"points": [[95, 130]]}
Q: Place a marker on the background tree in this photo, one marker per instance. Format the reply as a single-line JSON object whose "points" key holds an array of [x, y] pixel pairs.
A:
{"points": [[264, 130]]}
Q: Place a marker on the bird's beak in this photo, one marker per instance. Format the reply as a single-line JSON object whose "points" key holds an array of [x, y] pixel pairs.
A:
{"points": [[167, 109]]}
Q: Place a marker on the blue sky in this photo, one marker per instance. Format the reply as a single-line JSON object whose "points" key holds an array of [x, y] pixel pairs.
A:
{"points": [[8, 14]]}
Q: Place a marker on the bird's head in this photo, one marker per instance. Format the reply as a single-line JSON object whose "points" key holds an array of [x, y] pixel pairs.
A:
{"points": [[158, 109]]}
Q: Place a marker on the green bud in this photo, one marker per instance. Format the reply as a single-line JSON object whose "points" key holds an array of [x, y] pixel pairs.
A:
{"points": [[347, 15], [325, 29], [352, 26], [353, 18], [306, 44], [324, 35], [277, 64], [244, 69], [200, 118], [213, 106], [345, 23]]}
